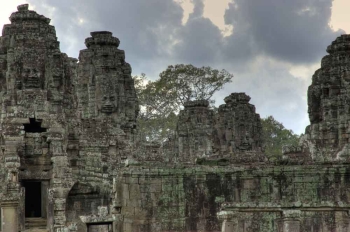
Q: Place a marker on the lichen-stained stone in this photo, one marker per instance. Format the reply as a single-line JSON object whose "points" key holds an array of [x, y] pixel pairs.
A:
{"points": [[67, 135], [233, 134], [194, 131], [106, 88], [238, 126], [327, 136], [67, 122]]}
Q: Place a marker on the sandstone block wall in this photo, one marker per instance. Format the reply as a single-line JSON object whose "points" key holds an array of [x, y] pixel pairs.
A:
{"points": [[70, 127], [188, 199]]}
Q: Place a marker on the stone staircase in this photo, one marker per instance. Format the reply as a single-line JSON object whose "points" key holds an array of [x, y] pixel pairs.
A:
{"points": [[35, 225]]}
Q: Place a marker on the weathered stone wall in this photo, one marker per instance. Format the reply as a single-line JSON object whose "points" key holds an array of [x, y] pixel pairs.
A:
{"points": [[62, 123], [188, 199], [71, 125], [84, 200]]}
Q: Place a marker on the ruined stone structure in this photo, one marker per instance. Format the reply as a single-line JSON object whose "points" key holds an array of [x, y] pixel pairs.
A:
{"points": [[68, 159], [309, 188], [328, 100], [65, 126], [203, 135], [238, 126], [194, 131]]}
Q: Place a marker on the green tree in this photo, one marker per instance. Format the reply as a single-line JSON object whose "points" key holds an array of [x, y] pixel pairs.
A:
{"points": [[162, 99], [275, 135]]}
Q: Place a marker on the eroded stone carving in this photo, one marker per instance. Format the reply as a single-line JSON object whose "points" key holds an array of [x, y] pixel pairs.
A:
{"points": [[69, 127], [238, 126], [61, 124], [326, 138]]}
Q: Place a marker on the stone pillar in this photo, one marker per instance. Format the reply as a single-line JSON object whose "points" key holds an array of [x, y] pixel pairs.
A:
{"points": [[9, 216], [342, 221], [229, 221], [61, 182], [44, 203], [11, 197], [291, 221]]}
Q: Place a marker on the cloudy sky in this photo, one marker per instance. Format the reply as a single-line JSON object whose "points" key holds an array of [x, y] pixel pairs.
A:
{"points": [[271, 46]]}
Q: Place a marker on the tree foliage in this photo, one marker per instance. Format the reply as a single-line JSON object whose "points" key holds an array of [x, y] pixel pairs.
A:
{"points": [[275, 135], [182, 83], [162, 99]]}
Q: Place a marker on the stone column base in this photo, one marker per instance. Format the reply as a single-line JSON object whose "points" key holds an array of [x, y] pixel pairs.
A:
{"points": [[9, 216], [229, 221]]}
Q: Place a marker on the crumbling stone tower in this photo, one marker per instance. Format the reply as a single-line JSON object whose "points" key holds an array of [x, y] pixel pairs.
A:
{"points": [[67, 162], [309, 185], [194, 131], [105, 83], [328, 101], [238, 126], [66, 127], [234, 132], [36, 96]]}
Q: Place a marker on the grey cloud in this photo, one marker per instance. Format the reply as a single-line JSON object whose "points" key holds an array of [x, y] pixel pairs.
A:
{"points": [[200, 43], [144, 27], [198, 9], [274, 91], [151, 33], [296, 31]]}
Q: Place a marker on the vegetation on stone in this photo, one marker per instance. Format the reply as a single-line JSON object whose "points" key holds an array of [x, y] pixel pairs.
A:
{"points": [[275, 136], [69, 159], [162, 99]]}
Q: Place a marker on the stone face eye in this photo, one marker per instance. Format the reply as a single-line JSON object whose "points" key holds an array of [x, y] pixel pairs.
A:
{"points": [[104, 98], [112, 98]]}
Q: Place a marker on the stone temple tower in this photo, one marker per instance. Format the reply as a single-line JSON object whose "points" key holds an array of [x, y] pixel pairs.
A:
{"points": [[68, 163], [328, 101], [36, 102], [66, 127]]}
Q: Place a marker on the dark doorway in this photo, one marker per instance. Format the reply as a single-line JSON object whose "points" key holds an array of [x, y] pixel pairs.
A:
{"points": [[32, 198], [34, 126]]}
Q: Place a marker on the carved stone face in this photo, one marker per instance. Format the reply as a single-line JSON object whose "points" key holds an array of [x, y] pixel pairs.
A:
{"points": [[108, 105], [106, 95], [246, 142], [31, 77]]}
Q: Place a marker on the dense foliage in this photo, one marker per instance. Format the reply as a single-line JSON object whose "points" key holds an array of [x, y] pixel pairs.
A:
{"points": [[162, 99], [275, 135]]}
